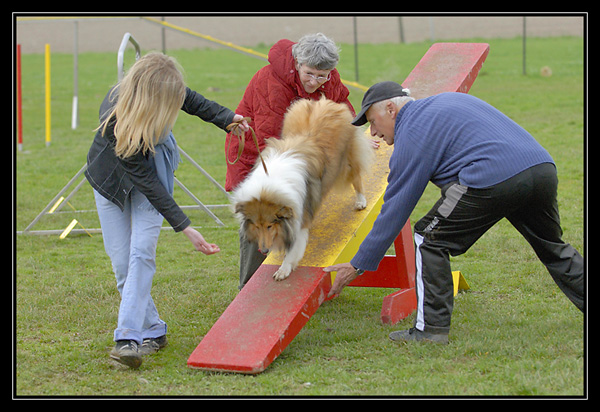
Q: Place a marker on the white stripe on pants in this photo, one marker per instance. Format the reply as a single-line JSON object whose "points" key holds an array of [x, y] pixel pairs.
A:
{"points": [[420, 321]]}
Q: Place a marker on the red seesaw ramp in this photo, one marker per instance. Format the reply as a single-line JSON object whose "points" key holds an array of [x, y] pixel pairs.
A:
{"points": [[266, 315]]}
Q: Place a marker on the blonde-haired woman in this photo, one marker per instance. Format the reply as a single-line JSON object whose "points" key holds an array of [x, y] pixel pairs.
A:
{"points": [[130, 166]]}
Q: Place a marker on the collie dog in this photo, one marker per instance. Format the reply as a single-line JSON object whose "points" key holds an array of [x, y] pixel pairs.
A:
{"points": [[319, 149]]}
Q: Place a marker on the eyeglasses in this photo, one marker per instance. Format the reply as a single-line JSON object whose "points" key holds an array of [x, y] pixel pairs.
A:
{"points": [[318, 79]]}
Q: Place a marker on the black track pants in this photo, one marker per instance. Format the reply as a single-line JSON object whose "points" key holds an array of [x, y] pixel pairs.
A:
{"points": [[462, 215]]}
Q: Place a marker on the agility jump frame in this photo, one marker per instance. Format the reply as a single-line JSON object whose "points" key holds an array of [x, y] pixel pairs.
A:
{"points": [[57, 203]]}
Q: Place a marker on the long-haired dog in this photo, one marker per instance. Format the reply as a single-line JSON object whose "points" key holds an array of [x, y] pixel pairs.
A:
{"points": [[319, 149]]}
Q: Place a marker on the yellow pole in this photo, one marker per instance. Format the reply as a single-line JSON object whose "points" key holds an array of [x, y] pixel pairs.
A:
{"points": [[48, 138]]}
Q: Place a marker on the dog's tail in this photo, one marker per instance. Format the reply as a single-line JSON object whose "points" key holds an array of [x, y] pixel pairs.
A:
{"points": [[361, 153]]}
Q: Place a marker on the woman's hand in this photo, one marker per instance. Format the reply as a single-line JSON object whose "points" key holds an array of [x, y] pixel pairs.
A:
{"points": [[243, 123], [199, 243]]}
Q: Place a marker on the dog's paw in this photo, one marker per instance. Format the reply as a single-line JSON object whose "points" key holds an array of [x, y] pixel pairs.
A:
{"points": [[361, 202], [282, 273]]}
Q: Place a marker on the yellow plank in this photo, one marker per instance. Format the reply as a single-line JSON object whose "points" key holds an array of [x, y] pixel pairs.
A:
{"points": [[338, 229]]}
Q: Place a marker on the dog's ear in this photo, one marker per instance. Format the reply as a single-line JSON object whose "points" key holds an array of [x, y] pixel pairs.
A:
{"points": [[240, 208], [285, 212]]}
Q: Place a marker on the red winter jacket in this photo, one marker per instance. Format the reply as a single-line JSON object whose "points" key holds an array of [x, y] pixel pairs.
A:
{"points": [[268, 95]]}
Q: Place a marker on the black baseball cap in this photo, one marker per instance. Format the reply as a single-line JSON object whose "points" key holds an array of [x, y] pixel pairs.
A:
{"points": [[376, 93]]}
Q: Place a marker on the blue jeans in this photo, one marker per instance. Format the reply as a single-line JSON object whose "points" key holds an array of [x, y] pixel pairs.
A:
{"points": [[130, 239]]}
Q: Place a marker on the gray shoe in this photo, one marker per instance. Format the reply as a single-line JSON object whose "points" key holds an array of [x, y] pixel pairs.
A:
{"points": [[126, 352], [414, 334], [153, 345]]}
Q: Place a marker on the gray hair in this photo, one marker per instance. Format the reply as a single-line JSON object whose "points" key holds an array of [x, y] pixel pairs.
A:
{"points": [[316, 51], [398, 101]]}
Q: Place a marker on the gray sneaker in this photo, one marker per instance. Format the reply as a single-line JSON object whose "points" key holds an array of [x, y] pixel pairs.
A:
{"points": [[126, 352], [414, 334], [153, 345]]}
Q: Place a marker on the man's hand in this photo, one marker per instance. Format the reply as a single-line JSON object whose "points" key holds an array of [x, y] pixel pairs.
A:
{"points": [[345, 275]]}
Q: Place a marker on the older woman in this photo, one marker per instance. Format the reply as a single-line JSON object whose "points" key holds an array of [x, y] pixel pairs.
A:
{"points": [[303, 70]]}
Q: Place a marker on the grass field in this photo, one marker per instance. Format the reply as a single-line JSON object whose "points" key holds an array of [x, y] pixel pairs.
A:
{"points": [[513, 333]]}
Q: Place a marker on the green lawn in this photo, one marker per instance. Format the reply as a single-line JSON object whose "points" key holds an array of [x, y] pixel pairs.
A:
{"points": [[513, 333]]}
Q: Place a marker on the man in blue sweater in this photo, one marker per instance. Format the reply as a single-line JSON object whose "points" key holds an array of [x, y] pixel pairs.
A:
{"points": [[488, 168]]}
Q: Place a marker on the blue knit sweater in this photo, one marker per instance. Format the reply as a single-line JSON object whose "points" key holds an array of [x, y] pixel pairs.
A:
{"points": [[445, 138]]}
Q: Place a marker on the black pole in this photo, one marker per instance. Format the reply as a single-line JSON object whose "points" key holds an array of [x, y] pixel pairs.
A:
{"points": [[355, 50], [524, 45]]}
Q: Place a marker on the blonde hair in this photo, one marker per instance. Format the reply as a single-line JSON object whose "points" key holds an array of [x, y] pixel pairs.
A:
{"points": [[149, 99]]}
